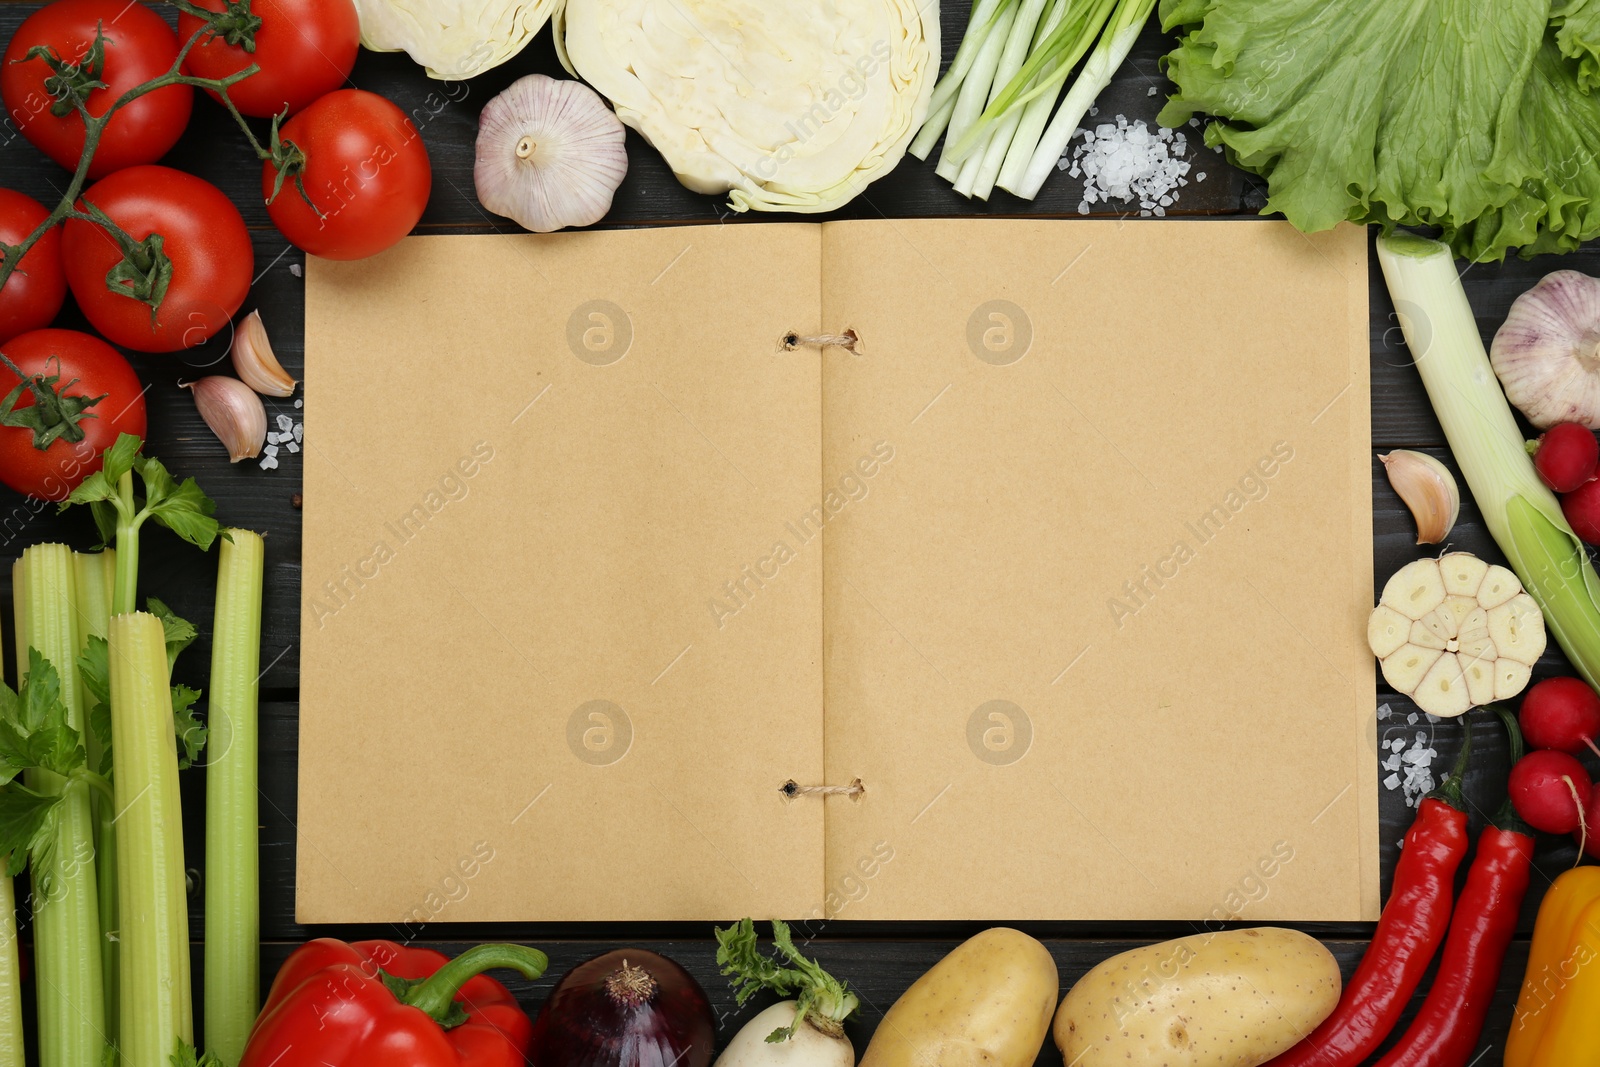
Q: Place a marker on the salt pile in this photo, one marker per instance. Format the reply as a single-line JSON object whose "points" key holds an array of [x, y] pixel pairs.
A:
{"points": [[1127, 161]]}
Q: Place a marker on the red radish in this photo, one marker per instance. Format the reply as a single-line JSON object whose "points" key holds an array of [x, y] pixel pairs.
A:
{"points": [[1549, 790], [1563, 714], [1568, 456], [1591, 845], [1582, 509]]}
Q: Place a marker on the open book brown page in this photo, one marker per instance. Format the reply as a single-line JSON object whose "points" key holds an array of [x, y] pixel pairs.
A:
{"points": [[535, 466], [1095, 635], [1068, 564]]}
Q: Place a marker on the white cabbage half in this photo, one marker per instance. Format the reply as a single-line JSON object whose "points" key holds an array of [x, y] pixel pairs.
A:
{"points": [[785, 105], [453, 39]]}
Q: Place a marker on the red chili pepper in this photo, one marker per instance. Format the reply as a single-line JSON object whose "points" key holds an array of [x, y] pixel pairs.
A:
{"points": [[1413, 923], [375, 1004], [1445, 1032]]}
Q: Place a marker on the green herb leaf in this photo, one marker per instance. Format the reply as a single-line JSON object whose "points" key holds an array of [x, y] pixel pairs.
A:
{"points": [[182, 508], [180, 633], [814, 989], [94, 670], [25, 824], [192, 733], [186, 1056]]}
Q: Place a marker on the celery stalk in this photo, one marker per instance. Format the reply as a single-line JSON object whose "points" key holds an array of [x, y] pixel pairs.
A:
{"points": [[96, 574], [11, 1044], [154, 911], [233, 915], [66, 903], [10, 979], [1522, 514]]}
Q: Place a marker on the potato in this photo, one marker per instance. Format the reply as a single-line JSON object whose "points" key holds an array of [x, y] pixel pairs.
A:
{"points": [[1233, 999], [986, 1004]]}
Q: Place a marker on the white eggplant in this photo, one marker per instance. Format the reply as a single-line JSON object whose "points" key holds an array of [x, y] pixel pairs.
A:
{"points": [[808, 1047]]}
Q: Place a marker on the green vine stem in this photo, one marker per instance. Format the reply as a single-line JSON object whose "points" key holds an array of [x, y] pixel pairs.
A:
{"points": [[144, 264]]}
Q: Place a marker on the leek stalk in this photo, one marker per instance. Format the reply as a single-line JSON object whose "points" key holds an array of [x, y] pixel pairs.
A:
{"points": [[1522, 514], [232, 910], [66, 901], [154, 912]]}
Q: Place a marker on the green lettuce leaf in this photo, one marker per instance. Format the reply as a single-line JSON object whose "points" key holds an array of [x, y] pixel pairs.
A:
{"points": [[1399, 112], [1577, 24]]}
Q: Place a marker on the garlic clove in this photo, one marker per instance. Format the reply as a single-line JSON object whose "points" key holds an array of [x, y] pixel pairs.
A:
{"points": [[234, 412], [550, 154], [1429, 489], [255, 361], [1547, 352]]}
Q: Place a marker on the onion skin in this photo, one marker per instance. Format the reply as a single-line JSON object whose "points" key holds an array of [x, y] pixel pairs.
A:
{"points": [[583, 1024]]}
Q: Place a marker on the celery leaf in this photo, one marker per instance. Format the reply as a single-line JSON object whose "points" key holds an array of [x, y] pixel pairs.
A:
{"points": [[180, 633], [25, 825], [192, 733]]}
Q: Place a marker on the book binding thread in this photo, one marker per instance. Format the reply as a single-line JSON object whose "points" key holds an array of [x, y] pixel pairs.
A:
{"points": [[794, 790], [849, 340]]}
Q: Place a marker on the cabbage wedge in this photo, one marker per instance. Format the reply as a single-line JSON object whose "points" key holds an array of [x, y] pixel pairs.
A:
{"points": [[785, 107], [453, 39]]}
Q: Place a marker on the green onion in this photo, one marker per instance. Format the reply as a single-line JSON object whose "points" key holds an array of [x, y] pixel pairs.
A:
{"points": [[942, 105], [1522, 514], [233, 912], [96, 573], [154, 910], [66, 901]]}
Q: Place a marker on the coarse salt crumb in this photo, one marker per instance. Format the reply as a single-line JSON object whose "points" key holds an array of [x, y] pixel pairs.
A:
{"points": [[293, 448], [1130, 163], [269, 463], [299, 403], [299, 432], [297, 270]]}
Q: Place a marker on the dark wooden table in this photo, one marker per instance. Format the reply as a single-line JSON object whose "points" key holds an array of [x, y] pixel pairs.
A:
{"points": [[880, 960]]}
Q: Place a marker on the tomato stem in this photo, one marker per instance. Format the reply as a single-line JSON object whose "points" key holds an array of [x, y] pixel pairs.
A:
{"points": [[54, 415]]}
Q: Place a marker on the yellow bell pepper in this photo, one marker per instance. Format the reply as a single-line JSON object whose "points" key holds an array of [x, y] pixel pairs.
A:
{"points": [[1557, 1021]]}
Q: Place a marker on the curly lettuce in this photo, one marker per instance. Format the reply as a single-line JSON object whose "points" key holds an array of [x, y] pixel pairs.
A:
{"points": [[1470, 118], [1577, 24]]}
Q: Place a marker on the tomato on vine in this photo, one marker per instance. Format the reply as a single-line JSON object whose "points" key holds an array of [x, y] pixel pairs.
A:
{"points": [[74, 396], [305, 49], [165, 293], [363, 166], [101, 49], [33, 294]]}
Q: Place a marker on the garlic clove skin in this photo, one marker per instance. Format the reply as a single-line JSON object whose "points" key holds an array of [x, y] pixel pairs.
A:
{"points": [[550, 154], [255, 362], [1427, 487], [1547, 352], [234, 412]]}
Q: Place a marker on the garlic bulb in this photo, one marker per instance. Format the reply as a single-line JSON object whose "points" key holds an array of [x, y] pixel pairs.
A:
{"points": [[550, 154], [233, 411], [1547, 353], [255, 361], [1429, 489], [1455, 633]]}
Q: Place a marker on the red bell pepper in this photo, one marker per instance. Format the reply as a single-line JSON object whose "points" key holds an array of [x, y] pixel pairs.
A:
{"points": [[376, 1004]]}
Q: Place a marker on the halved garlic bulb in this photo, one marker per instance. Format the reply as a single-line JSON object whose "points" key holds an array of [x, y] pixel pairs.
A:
{"points": [[1547, 352], [550, 154], [1455, 633]]}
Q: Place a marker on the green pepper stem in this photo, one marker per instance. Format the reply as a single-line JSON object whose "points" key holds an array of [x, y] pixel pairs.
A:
{"points": [[436, 995], [1449, 790]]}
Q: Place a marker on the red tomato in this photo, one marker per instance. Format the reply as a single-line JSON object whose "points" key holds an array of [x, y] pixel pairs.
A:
{"points": [[139, 47], [34, 292], [53, 473], [305, 49], [366, 169], [204, 237]]}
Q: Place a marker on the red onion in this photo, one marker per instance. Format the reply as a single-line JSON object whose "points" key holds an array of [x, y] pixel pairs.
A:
{"points": [[628, 1008]]}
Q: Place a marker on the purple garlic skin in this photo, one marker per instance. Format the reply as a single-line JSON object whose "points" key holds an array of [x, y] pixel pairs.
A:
{"points": [[1547, 352]]}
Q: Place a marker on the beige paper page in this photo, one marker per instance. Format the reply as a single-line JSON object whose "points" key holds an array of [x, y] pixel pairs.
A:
{"points": [[1095, 631], [556, 664]]}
